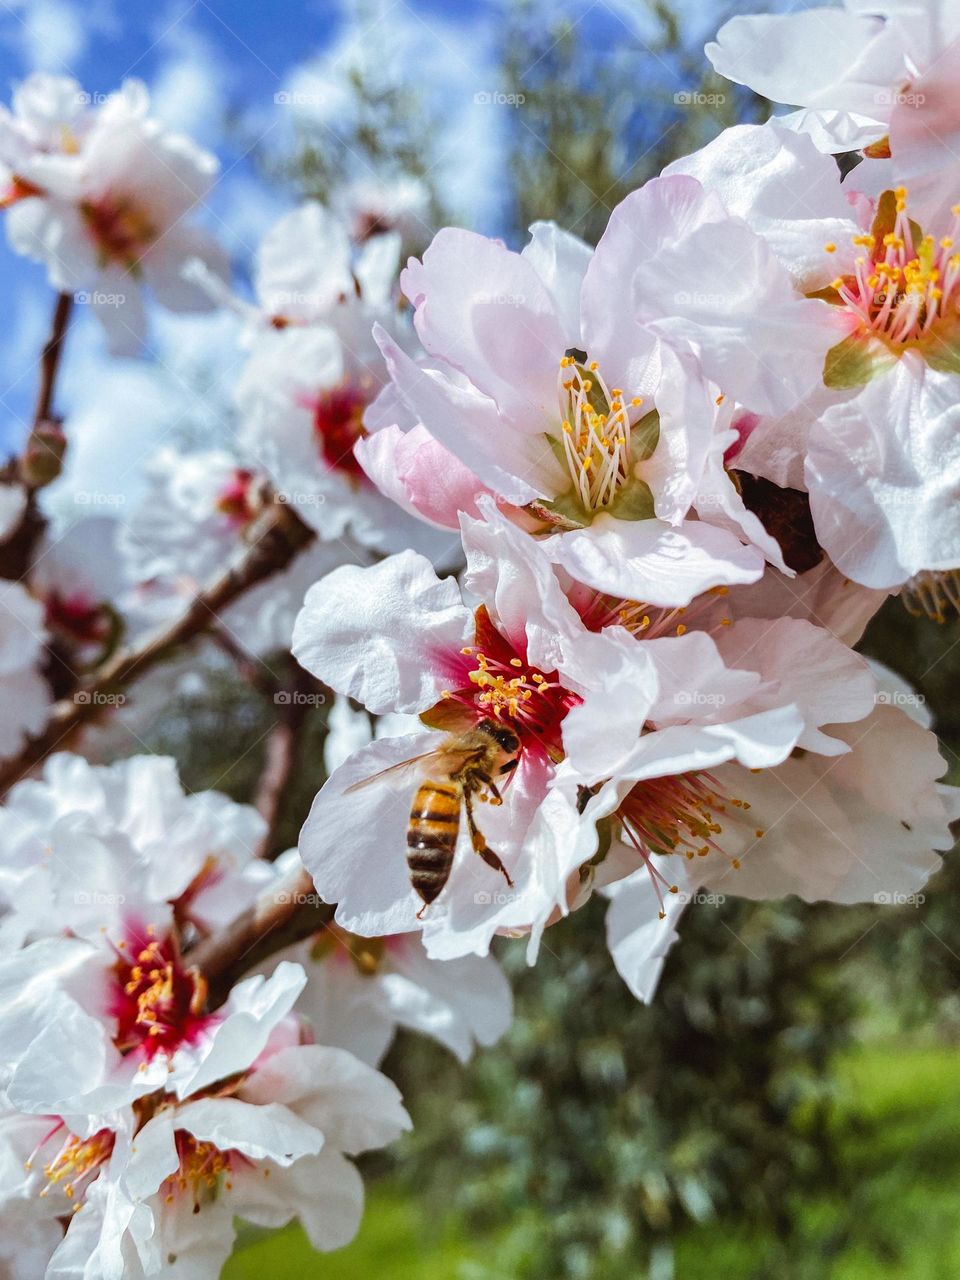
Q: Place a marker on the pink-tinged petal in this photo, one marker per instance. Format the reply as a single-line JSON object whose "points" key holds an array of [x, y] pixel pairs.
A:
{"points": [[688, 411], [560, 260], [381, 634], [777, 446], [354, 841], [860, 827], [269, 1131], [719, 501], [925, 139], [420, 475], [163, 268], [785, 190], [515, 465], [701, 279], [883, 472], [804, 665], [696, 683], [514, 576], [819, 57], [484, 309], [117, 303], [458, 1002], [654, 562], [822, 595]]}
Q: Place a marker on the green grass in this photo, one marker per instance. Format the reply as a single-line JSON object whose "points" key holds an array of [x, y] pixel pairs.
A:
{"points": [[394, 1243], [897, 1219]]}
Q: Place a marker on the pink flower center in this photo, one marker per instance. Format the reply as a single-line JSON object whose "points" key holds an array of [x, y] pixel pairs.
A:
{"points": [[338, 424], [905, 281], [76, 1162], [77, 617], [496, 683], [158, 1002], [676, 814], [203, 1167], [235, 499], [120, 229]]}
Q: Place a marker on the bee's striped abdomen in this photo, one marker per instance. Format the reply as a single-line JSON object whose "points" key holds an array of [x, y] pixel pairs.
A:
{"points": [[432, 836]]}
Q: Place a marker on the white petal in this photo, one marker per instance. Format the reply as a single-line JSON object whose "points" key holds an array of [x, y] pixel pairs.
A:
{"points": [[381, 634]]}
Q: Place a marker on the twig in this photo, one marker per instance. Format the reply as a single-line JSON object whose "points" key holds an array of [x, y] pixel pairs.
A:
{"points": [[283, 746], [282, 917], [43, 454], [278, 536], [50, 358]]}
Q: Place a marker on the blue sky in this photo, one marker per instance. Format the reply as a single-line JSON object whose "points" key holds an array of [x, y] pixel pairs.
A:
{"points": [[211, 64]]}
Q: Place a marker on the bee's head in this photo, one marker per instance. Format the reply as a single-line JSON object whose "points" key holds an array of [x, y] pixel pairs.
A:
{"points": [[505, 738]]}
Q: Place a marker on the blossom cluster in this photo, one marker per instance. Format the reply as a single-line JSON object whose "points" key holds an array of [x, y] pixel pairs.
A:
{"points": [[572, 545]]}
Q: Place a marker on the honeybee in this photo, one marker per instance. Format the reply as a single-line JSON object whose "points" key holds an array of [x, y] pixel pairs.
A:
{"points": [[462, 769]]}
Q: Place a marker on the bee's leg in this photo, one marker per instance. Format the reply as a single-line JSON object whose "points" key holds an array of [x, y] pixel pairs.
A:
{"points": [[492, 788], [479, 843], [422, 910]]}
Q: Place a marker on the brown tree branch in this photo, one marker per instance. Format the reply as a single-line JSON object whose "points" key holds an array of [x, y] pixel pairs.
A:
{"points": [[50, 358], [285, 915], [277, 537], [283, 749], [43, 453]]}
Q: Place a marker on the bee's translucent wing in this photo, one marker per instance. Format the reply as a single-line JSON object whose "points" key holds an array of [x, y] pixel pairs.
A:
{"points": [[397, 770], [448, 760]]}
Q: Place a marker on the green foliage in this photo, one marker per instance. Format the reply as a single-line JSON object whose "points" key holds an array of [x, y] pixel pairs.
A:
{"points": [[615, 1124]]}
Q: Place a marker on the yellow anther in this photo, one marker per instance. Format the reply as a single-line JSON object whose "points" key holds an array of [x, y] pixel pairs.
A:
{"points": [[831, 247]]}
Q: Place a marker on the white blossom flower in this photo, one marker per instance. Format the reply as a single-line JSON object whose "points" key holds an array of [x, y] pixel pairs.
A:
{"points": [[99, 196], [862, 826], [878, 78], [198, 515], [594, 389], [876, 444]]}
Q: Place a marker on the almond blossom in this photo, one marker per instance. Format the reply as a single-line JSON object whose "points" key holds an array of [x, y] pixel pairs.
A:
{"points": [[155, 1190], [361, 990], [589, 388], [877, 443], [863, 826], [878, 78], [99, 196], [683, 690]]}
